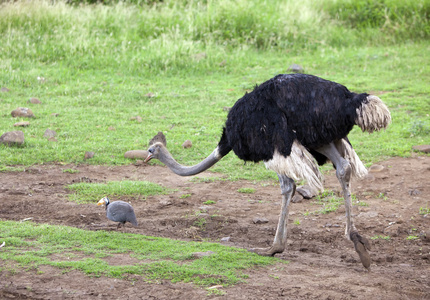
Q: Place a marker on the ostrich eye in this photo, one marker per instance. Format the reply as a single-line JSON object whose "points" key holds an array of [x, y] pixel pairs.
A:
{"points": [[150, 150]]}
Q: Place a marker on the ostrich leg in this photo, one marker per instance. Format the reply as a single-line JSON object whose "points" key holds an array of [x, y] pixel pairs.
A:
{"points": [[288, 188], [343, 173]]}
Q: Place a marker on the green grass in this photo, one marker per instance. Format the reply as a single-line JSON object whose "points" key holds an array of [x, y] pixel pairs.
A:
{"points": [[30, 246], [84, 192], [177, 64], [246, 190]]}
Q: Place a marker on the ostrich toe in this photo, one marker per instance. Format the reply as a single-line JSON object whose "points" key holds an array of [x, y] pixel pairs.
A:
{"points": [[361, 245], [270, 251]]}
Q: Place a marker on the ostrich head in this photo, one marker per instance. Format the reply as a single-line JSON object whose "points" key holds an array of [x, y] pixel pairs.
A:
{"points": [[155, 151]]}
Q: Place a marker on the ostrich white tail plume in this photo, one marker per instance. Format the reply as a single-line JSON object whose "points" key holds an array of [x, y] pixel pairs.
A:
{"points": [[347, 152], [299, 165], [373, 115]]}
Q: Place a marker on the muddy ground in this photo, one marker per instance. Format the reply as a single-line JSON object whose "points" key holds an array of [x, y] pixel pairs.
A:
{"points": [[323, 264]]}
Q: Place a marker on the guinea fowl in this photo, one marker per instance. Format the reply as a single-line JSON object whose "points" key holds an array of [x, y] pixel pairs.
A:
{"points": [[293, 123], [119, 211]]}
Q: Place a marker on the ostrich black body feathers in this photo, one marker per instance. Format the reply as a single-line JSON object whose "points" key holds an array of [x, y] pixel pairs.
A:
{"points": [[289, 107]]}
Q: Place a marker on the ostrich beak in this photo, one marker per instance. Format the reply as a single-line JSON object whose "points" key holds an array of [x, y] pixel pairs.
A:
{"points": [[148, 158]]}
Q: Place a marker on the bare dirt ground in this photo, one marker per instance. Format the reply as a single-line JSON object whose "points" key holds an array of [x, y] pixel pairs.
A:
{"points": [[323, 264]]}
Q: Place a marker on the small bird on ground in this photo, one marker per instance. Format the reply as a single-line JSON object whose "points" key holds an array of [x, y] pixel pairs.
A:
{"points": [[119, 211]]}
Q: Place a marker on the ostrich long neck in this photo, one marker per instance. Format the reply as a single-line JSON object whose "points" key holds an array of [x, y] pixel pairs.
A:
{"points": [[166, 158]]}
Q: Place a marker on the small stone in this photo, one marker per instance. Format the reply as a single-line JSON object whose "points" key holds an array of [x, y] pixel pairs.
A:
{"points": [[5, 89], [111, 128], [422, 148], [34, 101], [149, 95], [49, 133], [306, 191], [22, 112], [376, 168], [414, 192], [226, 108], [165, 202], [187, 144], [138, 162], [22, 124], [158, 138], [297, 198], [136, 154], [225, 239], [295, 68], [12, 138], [55, 114], [89, 154], [138, 119], [202, 254], [259, 220]]}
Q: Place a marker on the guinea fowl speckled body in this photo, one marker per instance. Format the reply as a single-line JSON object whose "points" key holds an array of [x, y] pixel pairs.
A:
{"points": [[119, 211]]}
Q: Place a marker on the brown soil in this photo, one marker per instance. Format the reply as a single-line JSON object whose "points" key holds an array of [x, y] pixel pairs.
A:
{"points": [[323, 264]]}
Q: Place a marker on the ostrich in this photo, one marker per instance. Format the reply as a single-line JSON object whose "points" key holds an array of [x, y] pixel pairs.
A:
{"points": [[293, 123]]}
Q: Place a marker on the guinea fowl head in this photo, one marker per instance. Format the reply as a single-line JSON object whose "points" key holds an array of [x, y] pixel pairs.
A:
{"points": [[154, 151], [103, 201]]}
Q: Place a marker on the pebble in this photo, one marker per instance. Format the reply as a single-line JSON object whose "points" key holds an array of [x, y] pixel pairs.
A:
{"points": [[89, 154], [260, 220], [422, 148], [187, 144], [12, 138], [295, 68], [136, 154], [22, 124], [34, 101], [22, 112], [297, 198], [306, 191], [5, 89], [49, 133], [225, 239], [202, 254], [376, 168]]}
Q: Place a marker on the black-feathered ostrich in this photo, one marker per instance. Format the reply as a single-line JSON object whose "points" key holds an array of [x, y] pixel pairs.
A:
{"points": [[293, 122]]}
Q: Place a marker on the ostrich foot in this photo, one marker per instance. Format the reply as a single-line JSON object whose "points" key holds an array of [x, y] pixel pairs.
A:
{"points": [[361, 245], [270, 251]]}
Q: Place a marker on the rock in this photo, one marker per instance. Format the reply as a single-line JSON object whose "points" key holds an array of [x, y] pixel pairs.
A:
{"points": [[376, 168], [89, 154], [138, 119], [306, 191], [187, 144], [22, 112], [295, 68], [225, 239], [202, 254], [422, 148], [149, 95], [369, 214], [414, 192], [297, 198], [55, 114], [159, 138], [22, 124], [34, 101], [5, 89], [136, 154], [12, 138], [394, 230], [259, 220], [49, 133]]}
